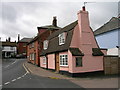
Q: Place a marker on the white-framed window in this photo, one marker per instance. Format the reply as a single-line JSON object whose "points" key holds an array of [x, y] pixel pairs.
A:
{"points": [[32, 56], [61, 38], [45, 44], [64, 60], [44, 60]]}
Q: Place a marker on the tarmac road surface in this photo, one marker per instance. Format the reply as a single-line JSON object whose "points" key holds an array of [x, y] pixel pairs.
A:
{"points": [[14, 75]]}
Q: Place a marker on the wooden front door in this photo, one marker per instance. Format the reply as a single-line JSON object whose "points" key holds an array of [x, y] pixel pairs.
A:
{"points": [[57, 62]]}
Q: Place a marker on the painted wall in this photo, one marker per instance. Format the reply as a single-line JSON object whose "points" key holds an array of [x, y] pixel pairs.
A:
{"points": [[51, 61], [112, 51], [9, 48], [83, 38], [108, 40]]}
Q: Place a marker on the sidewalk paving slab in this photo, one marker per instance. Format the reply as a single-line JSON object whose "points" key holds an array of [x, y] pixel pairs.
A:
{"points": [[89, 82]]}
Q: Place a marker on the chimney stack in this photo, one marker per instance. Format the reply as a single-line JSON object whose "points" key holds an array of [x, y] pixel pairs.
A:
{"points": [[54, 23], [18, 37], [9, 39], [83, 8]]}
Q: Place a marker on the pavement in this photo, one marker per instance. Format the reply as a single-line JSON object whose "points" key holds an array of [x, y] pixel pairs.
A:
{"points": [[87, 82]]}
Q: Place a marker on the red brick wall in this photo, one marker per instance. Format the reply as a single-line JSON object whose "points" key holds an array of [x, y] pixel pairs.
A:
{"points": [[21, 47], [38, 46]]}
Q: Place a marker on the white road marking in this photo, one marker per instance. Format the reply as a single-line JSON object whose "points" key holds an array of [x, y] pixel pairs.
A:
{"points": [[13, 80], [13, 62], [9, 64], [19, 78], [25, 69], [6, 83]]}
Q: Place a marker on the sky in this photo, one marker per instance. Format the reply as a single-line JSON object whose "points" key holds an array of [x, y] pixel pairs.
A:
{"points": [[24, 17]]}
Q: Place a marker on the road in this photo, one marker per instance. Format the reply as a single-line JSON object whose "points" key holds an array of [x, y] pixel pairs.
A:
{"points": [[14, 75]]}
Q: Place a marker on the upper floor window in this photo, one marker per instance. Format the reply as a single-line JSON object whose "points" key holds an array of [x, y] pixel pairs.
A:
{"points": [[61, 38], [45, 44]]}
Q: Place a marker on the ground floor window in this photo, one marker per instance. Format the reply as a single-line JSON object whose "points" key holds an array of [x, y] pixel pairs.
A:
{"points": [[44, 60], [32, 56], [78, 61], [63, 60]]}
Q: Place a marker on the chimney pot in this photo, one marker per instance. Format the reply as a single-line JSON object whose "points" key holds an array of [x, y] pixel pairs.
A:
{"points": [[54, 21], [83, 8]]}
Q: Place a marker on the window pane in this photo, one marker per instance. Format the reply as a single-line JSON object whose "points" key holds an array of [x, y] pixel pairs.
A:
{"points": [[78, 61]]}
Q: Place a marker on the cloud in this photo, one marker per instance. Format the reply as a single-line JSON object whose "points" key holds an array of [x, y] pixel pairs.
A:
{"points": [[24, 17]]}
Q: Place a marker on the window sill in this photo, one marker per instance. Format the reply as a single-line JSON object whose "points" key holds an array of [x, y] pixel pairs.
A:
{"points": [[63, 65]]}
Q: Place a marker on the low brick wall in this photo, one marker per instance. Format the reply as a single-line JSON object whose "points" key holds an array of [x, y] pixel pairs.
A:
{"points": [[111, 64]]}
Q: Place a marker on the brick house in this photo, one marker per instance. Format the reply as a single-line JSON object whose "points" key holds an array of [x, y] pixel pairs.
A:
{"points": [[73, 49], [22, 47], [35, 46]]}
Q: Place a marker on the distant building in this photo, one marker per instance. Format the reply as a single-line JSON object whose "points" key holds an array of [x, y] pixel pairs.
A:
{"points": [[9, 49], [107, 36], [35, 46], [22, 47]]}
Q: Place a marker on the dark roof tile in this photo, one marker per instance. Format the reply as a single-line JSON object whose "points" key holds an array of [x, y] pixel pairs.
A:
{"points": [[13, 44], [26, 40], [97, 52], [113, 24], [54, 46], [76, 52]]}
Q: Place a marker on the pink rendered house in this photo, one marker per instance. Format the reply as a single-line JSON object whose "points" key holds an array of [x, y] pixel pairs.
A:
{"points": [[73, 49]]}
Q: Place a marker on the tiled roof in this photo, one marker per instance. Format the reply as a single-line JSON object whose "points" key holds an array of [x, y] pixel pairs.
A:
{"points": [[25, 40], [54, 46], [34, 39], [49, 27], [113, 24], [76, 52], [13, 44], [97, 52]]}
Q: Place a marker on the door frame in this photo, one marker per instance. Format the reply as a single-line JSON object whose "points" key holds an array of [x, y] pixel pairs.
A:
{"points": [[57, 65]]}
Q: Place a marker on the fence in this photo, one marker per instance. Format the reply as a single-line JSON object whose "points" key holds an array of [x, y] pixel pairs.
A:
{"points": [[111, 64]]}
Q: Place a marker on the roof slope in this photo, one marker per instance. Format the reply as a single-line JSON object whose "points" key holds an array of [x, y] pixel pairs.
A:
{"points": [[25, 40], [53, 45], [33, 39], [13, 44], [109, 26], [49, 27]]}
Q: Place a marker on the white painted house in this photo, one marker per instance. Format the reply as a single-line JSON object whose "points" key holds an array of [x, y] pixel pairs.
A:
{"points": [[108, 36], [9, 49]]}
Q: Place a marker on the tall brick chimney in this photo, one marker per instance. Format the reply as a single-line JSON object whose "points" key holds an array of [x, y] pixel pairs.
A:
{"points": [[9, 39], [18, 37], [54, 23]]}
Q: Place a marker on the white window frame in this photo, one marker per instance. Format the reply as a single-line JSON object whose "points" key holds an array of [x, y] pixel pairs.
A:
{"points": [[62, 38], [44, 60], [45, 44], [63, 62]]}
